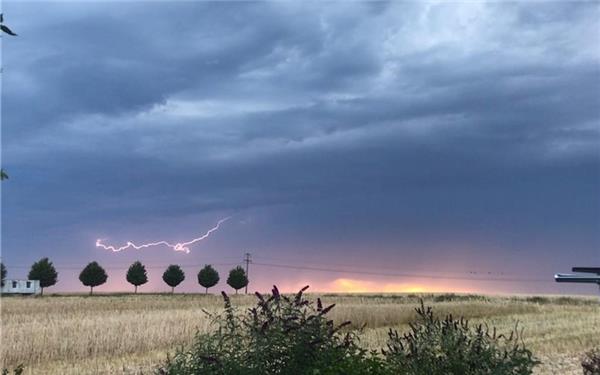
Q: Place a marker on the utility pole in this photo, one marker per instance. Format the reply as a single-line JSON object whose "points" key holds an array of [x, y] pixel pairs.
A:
{"points": [[247, 260]]}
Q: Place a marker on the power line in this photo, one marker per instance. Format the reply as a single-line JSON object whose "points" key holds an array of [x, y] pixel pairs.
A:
{"points": [[327, 268], [346, 265], [417, 275]]}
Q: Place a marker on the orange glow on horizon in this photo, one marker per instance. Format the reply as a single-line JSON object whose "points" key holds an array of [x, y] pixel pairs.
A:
{"points": [[343, 285], [351, 285]]}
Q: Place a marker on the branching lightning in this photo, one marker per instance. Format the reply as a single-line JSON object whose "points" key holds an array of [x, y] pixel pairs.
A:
{"points": [[181, 246]]}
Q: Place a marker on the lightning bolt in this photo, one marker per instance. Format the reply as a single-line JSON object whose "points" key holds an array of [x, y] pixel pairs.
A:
{"points": [[181, 246]]}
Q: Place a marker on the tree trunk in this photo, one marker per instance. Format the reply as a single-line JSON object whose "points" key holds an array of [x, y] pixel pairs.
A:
{"points": [[42, 291], [236, 291], [172, 289], [91, 290], [135, 292], [206, 291]]}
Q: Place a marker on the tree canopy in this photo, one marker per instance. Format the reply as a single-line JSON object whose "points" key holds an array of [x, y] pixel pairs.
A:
{"points": [[93, 275], [173, 276], [44, 271], [2, 272], [208, 277], [136, 274], [237, 278]]}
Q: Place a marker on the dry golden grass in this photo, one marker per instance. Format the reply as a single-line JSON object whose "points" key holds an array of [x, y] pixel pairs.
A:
{"points": [[131, 334]]}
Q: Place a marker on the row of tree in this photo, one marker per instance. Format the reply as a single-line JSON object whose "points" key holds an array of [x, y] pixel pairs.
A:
{"points": [[94, 275]]}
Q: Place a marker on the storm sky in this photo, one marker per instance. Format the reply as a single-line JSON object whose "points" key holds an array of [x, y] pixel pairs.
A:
{"points": [[415, 140]]}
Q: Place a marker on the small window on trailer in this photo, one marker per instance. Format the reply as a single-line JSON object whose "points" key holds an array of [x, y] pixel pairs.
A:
{"points": [[14, 284], [28, 284]]}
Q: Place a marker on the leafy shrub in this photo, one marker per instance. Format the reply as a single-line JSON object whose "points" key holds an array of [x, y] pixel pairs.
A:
{"points": [[451, 346], [286, 335], [17, 371], [451, 297], [591, 362], [538, 299], [281, 335]]}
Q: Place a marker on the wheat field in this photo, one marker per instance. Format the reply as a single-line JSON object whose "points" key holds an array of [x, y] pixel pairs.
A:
{"points": [[131, 334]]}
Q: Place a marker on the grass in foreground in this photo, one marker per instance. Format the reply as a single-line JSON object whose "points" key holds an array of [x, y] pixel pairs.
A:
{"points": [[131, 334], [290, 335]]}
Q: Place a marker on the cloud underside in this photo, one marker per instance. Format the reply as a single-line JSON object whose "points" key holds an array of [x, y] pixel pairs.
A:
{"points": [[423, 114]]}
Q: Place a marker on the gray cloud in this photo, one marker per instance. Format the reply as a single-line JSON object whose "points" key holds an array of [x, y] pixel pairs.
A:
{"points": [[479, 120]]}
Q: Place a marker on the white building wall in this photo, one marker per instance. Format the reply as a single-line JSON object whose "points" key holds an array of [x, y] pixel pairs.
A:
{"points": [[12, 286]]}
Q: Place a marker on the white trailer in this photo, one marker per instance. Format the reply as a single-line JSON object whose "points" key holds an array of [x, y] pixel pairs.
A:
{"points": [[13, 286]]}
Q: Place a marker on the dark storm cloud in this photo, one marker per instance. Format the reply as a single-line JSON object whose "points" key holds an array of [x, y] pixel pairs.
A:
{"points": [[479, 120]]}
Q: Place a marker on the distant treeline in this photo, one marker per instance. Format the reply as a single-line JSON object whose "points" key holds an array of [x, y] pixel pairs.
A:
{"points": [[94, 275]]}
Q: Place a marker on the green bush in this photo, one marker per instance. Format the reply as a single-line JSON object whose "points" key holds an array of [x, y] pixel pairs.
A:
{"points": [[591, 362], [17, 371], [281, 335], [290, 335], [451, 346]]}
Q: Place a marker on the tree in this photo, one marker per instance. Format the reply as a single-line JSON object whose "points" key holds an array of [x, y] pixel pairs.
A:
{"points": [[208, 277], [237, 278], [173, 276], [2, 272], [93, 275], [136, 275], [44, 271]]}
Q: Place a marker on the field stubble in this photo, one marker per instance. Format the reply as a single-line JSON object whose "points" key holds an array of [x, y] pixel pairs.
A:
{"points": [[131, 334]]}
